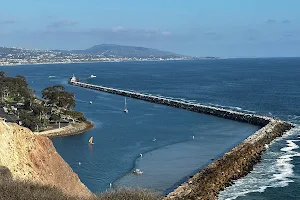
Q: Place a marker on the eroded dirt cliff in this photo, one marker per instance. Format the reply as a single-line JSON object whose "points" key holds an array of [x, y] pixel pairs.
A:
{"points": [[34, 158]]}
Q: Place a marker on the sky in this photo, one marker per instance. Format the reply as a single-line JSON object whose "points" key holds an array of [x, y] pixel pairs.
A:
{"points": [[224, 28]]}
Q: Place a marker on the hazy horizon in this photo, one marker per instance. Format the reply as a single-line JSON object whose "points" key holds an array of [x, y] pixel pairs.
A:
{"points": [[227, 29]]}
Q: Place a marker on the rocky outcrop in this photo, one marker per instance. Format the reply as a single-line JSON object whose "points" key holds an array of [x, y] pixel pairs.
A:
{"points": [[233, 165], [34, 158], [71, 129]]}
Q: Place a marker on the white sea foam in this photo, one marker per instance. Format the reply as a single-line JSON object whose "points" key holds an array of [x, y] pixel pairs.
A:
{"points": [[249, 111], [232, 108], [276, 169]]}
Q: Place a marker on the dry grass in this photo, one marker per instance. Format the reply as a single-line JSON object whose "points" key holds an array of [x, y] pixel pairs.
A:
{"points": [[21, 190], [129, 194]]}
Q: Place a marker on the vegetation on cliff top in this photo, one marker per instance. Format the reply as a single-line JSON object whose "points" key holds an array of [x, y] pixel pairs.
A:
{"points": [[20, 104], [11, 190]]}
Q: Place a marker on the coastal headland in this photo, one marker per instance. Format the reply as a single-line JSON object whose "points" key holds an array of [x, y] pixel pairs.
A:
{"points": [[33, 158], [52, 115], [238, 162]]}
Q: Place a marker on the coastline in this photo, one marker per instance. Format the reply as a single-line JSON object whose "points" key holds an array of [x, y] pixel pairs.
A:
{"points": [[106, 61], [236, 163], [71, 129], [33, 159]]}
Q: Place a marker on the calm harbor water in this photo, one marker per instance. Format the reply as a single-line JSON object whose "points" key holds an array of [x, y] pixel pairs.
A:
{"points": [[264, 86]]}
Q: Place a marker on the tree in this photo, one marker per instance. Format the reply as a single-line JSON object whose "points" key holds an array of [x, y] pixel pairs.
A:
{"points": [[75, 115], [55, 117], [15, 87], [57, 96], [2, 91], [21, 81], [2, 75], [29, 121], [38, 109], [27, 105]]}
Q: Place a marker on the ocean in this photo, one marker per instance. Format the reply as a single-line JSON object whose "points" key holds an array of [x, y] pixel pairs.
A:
{"points": [[164, 135]]}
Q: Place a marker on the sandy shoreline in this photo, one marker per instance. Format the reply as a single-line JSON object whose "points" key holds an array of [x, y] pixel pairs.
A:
{"points": [[71, 129]]}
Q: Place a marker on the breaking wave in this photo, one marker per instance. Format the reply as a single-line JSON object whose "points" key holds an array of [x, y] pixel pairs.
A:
{"points": [[235, 108], [275, 170]]}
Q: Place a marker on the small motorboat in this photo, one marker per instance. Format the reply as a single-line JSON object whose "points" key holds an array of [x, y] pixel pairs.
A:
{"points": [[91, 102], [138, 171], [93, 76]]}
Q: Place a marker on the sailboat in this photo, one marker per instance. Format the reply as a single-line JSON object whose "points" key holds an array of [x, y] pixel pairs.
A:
{"points": [[91, 140], [125, 110]]}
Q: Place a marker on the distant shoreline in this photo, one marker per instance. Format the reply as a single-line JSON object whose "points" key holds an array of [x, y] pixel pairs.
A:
{"points": [[114, 61]]}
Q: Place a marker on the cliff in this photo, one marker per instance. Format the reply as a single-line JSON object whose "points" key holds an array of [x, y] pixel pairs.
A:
{"points": [[31, 157]]}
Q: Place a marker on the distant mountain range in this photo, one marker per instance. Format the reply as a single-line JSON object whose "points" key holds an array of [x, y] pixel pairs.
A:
{"points": [[98, 53], [114, 50]]}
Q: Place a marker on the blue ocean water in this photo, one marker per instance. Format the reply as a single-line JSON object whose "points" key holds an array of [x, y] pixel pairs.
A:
{"points": [[264, 86]]}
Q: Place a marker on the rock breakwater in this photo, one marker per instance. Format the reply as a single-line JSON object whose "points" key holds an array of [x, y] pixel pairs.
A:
{"points": [[71, 129], [238, 162], [235, 164], [219, 112]]}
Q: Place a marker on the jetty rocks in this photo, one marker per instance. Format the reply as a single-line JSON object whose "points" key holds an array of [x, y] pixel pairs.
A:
{"points": [[71, 129], [25, 156], [235, 164], [238, 162]]}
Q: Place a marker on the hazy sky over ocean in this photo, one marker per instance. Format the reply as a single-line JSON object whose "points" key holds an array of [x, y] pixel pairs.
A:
{"points": [[231, 28]]}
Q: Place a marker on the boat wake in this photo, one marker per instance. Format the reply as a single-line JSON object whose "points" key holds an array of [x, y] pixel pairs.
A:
{"points": [[275, 170]]}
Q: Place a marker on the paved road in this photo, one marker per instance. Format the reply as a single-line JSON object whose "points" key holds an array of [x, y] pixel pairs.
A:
{"points": [[9, 118]]}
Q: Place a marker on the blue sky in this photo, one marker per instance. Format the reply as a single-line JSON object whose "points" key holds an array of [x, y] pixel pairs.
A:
{"points": [[226, 28]]}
